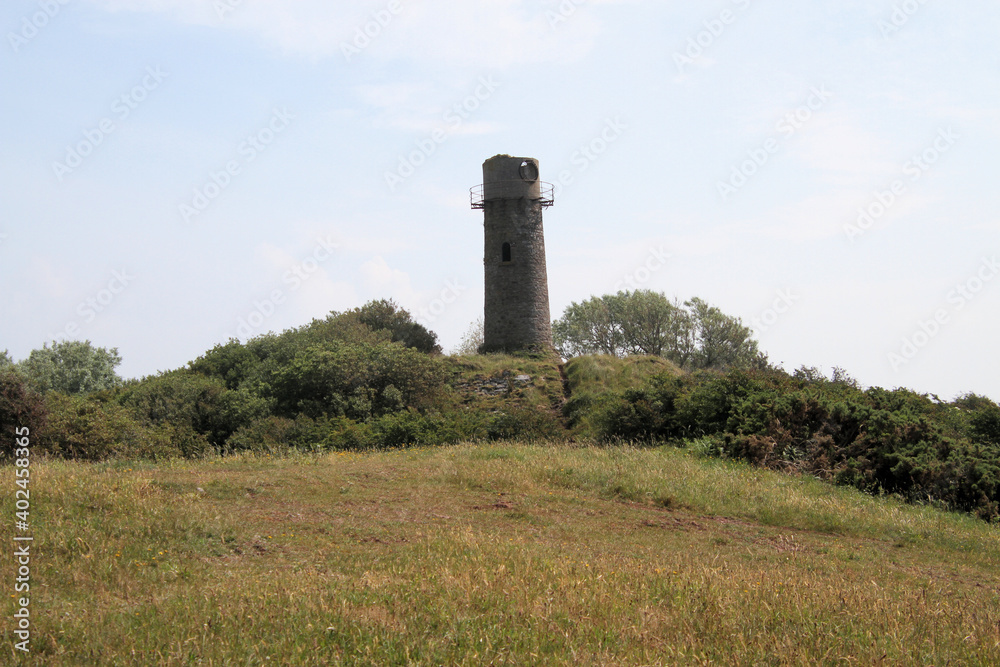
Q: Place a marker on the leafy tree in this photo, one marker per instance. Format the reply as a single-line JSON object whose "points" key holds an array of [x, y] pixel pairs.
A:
{"points": [[589, 327], [693, 335], [721, 341], [386, 315], [654, 326], [72, 367], [5, 360]]}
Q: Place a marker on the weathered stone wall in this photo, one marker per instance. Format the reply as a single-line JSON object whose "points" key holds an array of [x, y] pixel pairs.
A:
{"points": [[517, 293]]}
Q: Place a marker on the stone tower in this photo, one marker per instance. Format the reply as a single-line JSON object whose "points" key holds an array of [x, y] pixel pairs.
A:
{"points": [[516, 315]]}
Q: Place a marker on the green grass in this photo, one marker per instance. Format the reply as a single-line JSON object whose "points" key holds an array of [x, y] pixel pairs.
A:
{"points": [[495, 554], [544, 391], [590, 379], [597, 374]]}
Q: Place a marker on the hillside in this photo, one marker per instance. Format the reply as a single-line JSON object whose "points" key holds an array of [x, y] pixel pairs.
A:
{"points": [[496, 554]]}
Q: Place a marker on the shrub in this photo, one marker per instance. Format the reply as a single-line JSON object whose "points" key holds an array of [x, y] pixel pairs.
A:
{"points": [[91, 429], [522, 422], [358, 381], [20, 407], [192, 405]]}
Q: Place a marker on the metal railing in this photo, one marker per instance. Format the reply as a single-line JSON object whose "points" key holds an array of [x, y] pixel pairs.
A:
{"points": [[477, 194]]}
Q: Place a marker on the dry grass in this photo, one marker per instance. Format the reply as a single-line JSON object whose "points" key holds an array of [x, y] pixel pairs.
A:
{"points": [[502, 554]]}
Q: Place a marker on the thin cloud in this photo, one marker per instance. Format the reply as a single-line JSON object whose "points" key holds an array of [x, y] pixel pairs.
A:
{"points": [[491, 33]]}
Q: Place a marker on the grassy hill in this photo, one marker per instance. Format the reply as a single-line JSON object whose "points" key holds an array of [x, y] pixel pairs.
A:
{"points": [[495, 554]]}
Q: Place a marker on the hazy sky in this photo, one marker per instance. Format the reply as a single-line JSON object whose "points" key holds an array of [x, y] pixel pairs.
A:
{"points": [[177, 172]]}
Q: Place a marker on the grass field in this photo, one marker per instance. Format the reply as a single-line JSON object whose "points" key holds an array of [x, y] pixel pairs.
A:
{"points": [[493, 554]]}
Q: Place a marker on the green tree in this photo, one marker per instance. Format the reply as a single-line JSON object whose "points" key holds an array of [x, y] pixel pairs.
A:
{"points": [[590, 327], [386, 315], [5, 359], [721, 341], [693, 335], [72, 367], [652, 325]]}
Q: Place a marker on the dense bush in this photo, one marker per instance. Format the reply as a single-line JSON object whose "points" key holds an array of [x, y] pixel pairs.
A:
{"points": [[199, 409], [89, 428], [356, 380], [877, 440], [386, 315], [20, 407], [523, 422]]}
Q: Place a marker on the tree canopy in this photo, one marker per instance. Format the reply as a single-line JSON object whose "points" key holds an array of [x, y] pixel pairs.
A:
{"points": [[693, 335], [386, 315], [72, 367]]}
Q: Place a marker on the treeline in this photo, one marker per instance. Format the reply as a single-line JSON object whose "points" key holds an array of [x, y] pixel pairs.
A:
{"points": [[370, 377], [880, 441]]}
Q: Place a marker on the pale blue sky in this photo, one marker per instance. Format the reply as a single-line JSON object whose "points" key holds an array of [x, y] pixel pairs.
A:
{"points": [[286, 124]]}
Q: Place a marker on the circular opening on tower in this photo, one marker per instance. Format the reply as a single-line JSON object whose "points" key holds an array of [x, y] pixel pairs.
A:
{"points": [[529, 171]]}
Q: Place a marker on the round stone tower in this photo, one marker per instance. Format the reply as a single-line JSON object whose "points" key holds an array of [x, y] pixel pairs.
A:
{"points": [[516, 315]]}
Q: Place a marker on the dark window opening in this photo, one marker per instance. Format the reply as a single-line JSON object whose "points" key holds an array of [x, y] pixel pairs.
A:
{"points": [[505, 252]]}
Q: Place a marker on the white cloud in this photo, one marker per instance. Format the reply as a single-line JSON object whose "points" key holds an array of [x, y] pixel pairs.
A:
{"points": [[379, 277]]}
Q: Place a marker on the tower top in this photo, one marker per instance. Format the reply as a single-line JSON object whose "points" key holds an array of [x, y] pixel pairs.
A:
{"points": [[509, 177]]}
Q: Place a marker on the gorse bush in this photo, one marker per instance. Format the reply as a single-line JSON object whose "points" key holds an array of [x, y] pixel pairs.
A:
{"points": [[92, 428], [880, 441]]}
